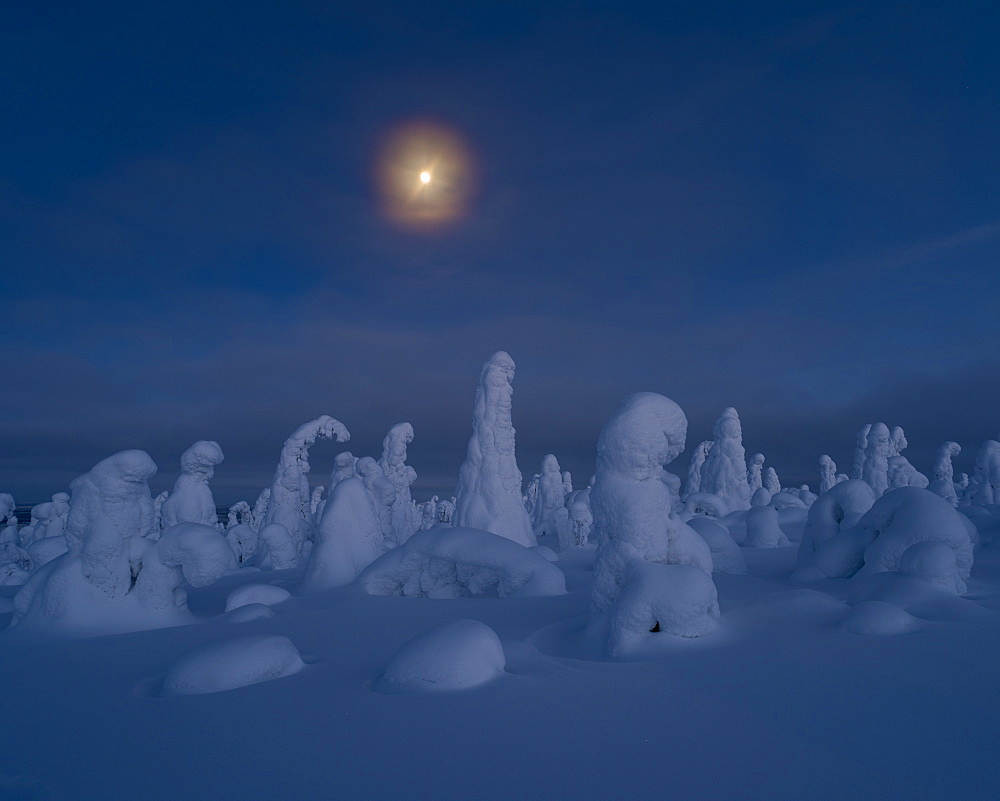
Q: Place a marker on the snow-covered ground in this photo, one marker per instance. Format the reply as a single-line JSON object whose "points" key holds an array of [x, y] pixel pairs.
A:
{"points": [[630, 639], [779, 702]]}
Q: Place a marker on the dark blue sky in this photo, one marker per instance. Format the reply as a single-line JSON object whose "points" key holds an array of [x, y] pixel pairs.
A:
{"points": [[793, 208]]}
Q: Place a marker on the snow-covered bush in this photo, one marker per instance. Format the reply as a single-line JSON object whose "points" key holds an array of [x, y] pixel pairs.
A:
{"points": [[191, 500], [488, 496], [706, 504], [456, 562], [233, 663], [631, 506], [454, 656], [658, 599]]}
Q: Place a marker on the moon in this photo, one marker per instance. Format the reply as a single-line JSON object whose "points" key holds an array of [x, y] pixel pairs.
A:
{"points": [[425, 173]]}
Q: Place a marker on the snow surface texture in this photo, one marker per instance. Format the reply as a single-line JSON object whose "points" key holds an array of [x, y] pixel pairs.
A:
{"points": [[455, 656], [457, 562], [657, 599], [488, 496], [191, 500], [631, 506], [289, 500], [230, 664], [725, 470]]}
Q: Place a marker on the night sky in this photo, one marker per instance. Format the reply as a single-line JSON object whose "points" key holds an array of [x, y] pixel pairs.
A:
{"points": [[790, 208]]}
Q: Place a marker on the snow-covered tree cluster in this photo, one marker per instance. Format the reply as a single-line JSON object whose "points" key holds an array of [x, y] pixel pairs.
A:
{"points": [[107, 556]]}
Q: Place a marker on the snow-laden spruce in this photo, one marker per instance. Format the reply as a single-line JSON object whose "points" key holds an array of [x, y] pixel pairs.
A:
{"points": [[944, 472], [348, 539], [860, 449], [550, 499], [631, 506], [488, 496], [693, 484], [191, 500], [459, 562], [724, 472], [289, 501], [827, 474], [401, 476], [875, 470], [755, 473], [987, 476], [455, 656]]}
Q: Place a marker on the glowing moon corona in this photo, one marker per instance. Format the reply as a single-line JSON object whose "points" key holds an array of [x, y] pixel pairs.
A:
{"points": [[425, 175]]}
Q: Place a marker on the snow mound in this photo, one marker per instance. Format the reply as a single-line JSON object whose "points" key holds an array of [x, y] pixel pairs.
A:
{"points": [[248, 613], [934, 563], [456, 656], [457, 562], [229, 664], [661, 599], [266, 594], [726, 554], [878, 618], [46, 549]]}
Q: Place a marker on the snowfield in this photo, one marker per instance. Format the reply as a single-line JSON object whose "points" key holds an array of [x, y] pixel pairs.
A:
{"points": [[638, 637]]}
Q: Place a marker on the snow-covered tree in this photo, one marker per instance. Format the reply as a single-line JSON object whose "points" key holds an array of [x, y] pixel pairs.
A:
{"points": [[725, 470], [876, 464], [488, 496], [290, 495], [857, 470], [755, 472], [631, 505], [401, 476], [827, 474], [694, 468], [551, 497], [191, 500]]}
